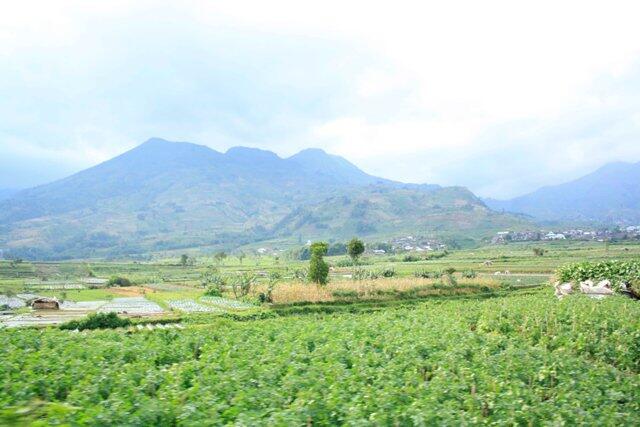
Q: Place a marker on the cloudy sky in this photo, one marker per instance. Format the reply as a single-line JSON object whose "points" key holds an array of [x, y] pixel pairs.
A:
{"points": [[502, 97]]}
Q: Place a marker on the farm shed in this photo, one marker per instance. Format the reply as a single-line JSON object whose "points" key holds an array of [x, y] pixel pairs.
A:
{"points": [[45, 304]]}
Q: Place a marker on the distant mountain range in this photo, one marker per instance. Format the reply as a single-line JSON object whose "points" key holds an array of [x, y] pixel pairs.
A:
{"points": [[166, 195], [609, 195]]}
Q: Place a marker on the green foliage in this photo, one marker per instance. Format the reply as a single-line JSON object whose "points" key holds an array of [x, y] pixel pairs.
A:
{"points": [[539, 251], [426, 274], [437, 255], [318, 268], [184, 259], [97, 321], [274, 278], [119, 281], [349, 263], [365, 274], [213, 282], [410, 258], [521, 360], [618, 272], [220, 256], [469, 274], [355, 248], [242, 283]]}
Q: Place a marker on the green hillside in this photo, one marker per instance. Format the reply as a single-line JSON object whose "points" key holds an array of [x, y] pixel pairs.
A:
{"points": [[164, 195]]}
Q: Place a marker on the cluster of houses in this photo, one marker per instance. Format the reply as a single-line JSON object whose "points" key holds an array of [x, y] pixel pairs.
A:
{"points": [[410, 244], [624, 233]]}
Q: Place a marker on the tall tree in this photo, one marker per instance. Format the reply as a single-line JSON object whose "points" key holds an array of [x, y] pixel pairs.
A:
{"points": [[355, 248], [318, 268]]}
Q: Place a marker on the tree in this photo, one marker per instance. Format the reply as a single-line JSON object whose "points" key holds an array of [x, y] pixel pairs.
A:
{"points": [[355, 248], [220, 256], [184, 259], [242, 283], [318, 268], [241, 256], [274, 278], [539, 251]]}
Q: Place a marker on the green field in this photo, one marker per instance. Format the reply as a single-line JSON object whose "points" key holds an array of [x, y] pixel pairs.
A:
{"points": [[488, 350]]}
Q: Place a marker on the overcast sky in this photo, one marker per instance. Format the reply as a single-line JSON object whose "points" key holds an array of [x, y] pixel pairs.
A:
{"points": [[502, 97]]}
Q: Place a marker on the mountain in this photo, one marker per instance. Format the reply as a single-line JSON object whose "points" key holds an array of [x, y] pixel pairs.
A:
{"points": [[609, 195], [169, 195]]}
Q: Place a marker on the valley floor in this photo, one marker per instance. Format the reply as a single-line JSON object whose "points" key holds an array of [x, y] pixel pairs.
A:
{"points": [[481, 348]]}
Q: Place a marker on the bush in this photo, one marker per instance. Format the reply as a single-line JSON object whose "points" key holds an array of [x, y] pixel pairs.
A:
{"points": [[97, 321], [345, 294], [348, 263], [426, 274], [363, 274], [387, 272], [618, 272], [469, 274], [410, 258], [119, 281], [437, 255], [539, 251]]}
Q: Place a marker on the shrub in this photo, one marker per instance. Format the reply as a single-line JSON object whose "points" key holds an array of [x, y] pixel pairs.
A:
{"points": [[242, 284], [539, 251], [426, 274], [618, 272], [364, 274], [387, 272], [300, 275], [469, 274], [349, 263], [97, 321], [119, 281], [410, 258], [437, 255], [345, 294]]}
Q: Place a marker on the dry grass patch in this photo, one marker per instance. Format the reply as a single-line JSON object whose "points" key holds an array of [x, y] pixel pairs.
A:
{"points": [[383, 288]]}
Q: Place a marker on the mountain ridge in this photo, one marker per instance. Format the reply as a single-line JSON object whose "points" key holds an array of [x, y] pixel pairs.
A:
{"points": [[610, 194], [164, 195]]}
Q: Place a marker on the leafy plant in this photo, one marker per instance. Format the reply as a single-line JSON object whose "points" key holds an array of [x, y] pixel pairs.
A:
{"points": [[619, 272], [241, 284], [469, 274], [97, 321], [119, 281]]}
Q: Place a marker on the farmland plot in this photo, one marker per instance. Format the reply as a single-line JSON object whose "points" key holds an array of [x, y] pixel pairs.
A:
{"points": [[11, 303], [227, 303], [131, 305], [82, 305], [191, 306]]}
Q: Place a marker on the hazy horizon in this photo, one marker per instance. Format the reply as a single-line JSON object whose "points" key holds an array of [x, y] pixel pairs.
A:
{"points": [[497, 97]]}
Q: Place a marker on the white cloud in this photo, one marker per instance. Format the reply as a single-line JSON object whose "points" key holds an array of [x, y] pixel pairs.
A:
{"points": [[440, 89]]}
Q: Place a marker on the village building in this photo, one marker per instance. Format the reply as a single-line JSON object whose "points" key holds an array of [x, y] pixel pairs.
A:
{"points": [[44, 303]]}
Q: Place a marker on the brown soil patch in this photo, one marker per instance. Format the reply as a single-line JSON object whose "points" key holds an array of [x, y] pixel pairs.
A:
{"points": [[132, 291]]}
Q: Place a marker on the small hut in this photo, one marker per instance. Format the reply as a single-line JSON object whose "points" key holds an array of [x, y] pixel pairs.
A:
{"points": [[44, 303]]}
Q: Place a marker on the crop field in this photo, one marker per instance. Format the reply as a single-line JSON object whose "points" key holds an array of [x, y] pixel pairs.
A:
{"points": [[473, 337], [523, 359]]}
